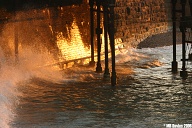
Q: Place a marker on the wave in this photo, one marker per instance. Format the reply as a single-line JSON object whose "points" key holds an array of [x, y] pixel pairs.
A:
{"points": [[30, 65]]}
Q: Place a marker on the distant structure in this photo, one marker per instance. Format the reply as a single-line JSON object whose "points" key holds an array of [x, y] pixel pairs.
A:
{"points": [[185, 27]]}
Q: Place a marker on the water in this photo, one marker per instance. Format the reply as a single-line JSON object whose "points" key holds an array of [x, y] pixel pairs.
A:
{"points": [[147, 95]]}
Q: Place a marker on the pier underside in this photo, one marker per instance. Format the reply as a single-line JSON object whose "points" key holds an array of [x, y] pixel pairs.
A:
{"points": [[102, 11]]}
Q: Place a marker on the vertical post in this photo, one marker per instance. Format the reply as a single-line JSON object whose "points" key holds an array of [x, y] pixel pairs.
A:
{"points": [[16, 43], [98, 32], [16, 34], [183, 73], [190, 3], [91, 3], [106, 72], [174, 63], [112, 41]]}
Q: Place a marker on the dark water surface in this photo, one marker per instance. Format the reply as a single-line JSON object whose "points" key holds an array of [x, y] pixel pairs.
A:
{"points": [[147, 95]]}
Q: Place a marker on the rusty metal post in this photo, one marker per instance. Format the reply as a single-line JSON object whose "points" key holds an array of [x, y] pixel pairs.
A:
{"points": [[98, 32], [106, 13], [183, 73], [91, 3], [174, 63], [112, 40]]}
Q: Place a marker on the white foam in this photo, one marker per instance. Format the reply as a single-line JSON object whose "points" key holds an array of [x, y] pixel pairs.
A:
{"points": [[30, 65]]}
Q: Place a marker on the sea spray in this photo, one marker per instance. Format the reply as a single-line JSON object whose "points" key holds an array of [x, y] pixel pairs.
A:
{"points": [[9, 78], [31, 64]]}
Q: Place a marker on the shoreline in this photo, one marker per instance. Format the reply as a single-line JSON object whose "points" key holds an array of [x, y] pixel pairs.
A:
{"points": [[160, 40]]}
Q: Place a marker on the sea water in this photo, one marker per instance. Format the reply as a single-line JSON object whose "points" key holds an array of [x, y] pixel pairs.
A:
{"points": [[147, 94]]}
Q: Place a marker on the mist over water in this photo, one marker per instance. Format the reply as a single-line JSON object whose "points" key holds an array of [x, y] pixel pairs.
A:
{"points": [[35, 94], [13, 74], [32, 63]]}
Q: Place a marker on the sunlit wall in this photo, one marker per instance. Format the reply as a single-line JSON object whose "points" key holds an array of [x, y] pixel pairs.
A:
{"points": [[65, 31]]}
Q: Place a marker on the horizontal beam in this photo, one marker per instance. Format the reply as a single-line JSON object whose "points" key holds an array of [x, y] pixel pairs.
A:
{"points": [[17, 5], [187, 41], [24, 20]]}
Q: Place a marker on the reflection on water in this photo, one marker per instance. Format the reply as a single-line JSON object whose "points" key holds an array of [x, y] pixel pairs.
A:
{"points": [[147, 96]]}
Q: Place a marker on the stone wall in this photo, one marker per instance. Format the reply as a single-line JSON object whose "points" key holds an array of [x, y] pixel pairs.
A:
{"points": [[66, 30], [138, 19]]}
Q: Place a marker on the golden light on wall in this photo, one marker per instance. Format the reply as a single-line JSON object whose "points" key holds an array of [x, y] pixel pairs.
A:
{"points": [[73, 48]]}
